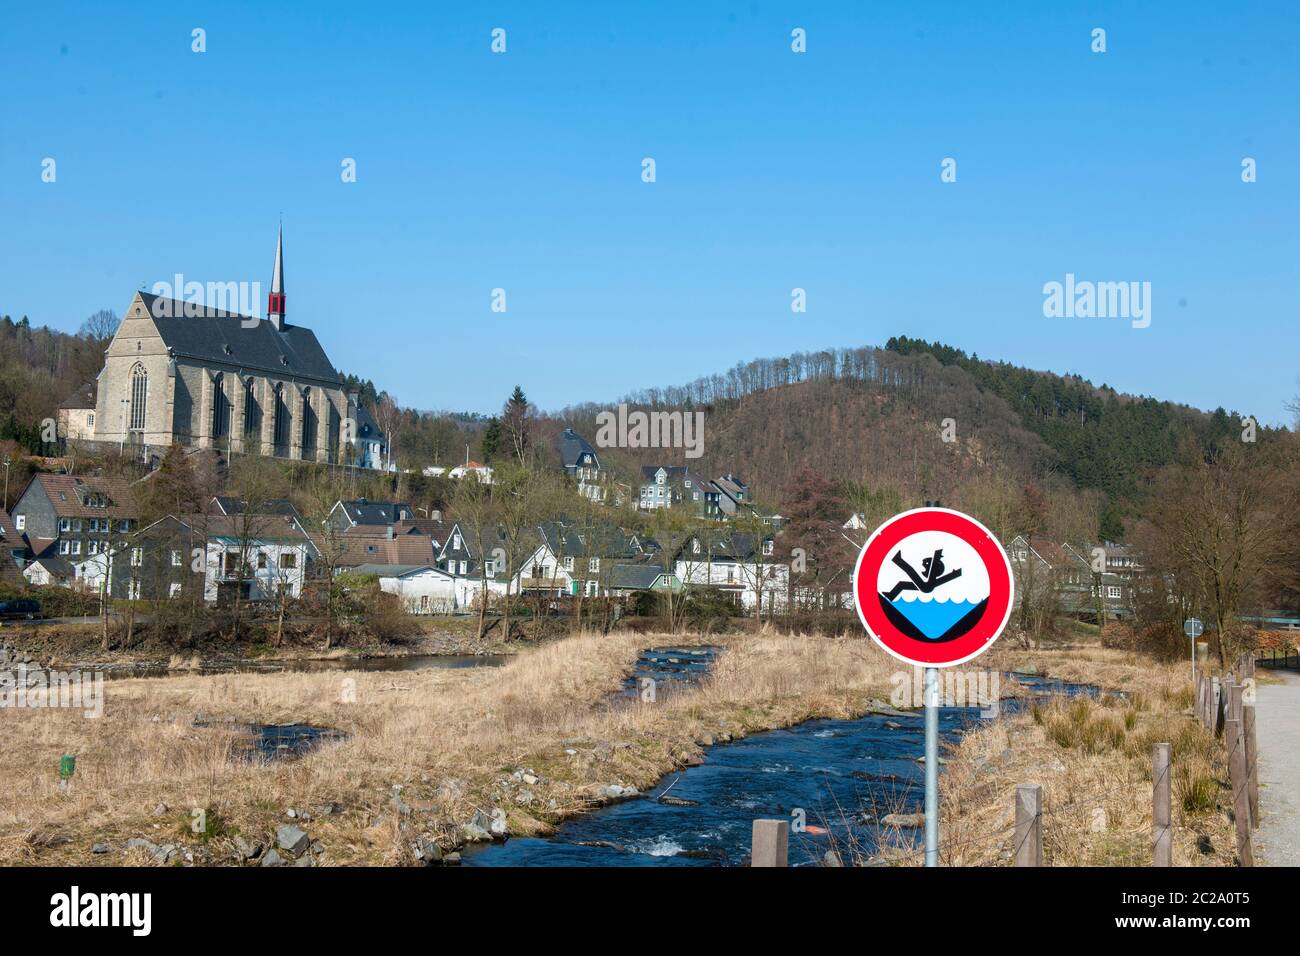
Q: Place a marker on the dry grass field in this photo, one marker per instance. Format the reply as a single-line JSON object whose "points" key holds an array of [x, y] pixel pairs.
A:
{"points": [[449, 738], [1093, 760], [458, 741]]}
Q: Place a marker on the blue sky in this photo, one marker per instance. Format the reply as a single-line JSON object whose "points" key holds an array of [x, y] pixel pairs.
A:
{"points": [[775, 170]]}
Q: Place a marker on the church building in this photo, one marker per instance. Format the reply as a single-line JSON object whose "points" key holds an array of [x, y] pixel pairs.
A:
{"points": [[182, 372]]}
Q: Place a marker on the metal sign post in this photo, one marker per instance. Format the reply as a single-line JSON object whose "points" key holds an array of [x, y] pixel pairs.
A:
{"points": [[932, 766], [1193, 628], [934, 588]]}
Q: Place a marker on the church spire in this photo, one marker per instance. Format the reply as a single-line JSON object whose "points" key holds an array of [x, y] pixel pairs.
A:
{"points": [[275, 300]]}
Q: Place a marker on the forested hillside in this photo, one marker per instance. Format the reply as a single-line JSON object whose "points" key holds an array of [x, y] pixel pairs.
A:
{"points": [[40, 367], [1100, 438], [873, 419], [866, 415]]}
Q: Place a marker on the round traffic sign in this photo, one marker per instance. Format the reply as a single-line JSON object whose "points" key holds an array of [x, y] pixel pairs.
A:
{"points": [[933, 587]]}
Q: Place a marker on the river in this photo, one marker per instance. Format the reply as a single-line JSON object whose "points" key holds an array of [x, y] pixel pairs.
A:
{"points": [[843, 774]]}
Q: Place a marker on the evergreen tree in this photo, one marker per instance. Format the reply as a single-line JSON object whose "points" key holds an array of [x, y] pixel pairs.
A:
{"points": [[490, 445]]}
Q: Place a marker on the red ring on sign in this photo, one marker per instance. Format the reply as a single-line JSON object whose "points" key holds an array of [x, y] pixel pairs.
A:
{"points": [[928, 653]]}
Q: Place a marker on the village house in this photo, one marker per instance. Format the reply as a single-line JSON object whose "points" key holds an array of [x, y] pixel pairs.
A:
{"points": [[734, 493], [576, 560], [739, 566], [255, 557], [68, 521], [349, 514], [13, 550], [76, 420], [667, 486], [422, 588], [582, 464], [1042, 566], [472, 469]]}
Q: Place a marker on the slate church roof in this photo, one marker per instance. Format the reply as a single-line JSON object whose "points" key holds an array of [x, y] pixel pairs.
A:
{"points": [[215, 337]]}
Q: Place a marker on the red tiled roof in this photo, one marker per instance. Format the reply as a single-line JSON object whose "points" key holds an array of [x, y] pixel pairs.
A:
{"points": [[412, 547], [68, 495]]}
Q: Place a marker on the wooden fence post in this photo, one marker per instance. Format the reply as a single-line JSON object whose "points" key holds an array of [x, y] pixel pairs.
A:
{"points": [[1216, 705], [1162, 833], [771, 843], [1252, 755], [1234, 741], [1029, 825]]}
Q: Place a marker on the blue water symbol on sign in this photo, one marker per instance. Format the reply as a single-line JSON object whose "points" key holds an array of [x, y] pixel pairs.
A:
{"points": [[933, 618]]}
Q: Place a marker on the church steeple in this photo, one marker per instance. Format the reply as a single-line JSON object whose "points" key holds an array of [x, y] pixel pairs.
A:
{"points": [[275, 300]]}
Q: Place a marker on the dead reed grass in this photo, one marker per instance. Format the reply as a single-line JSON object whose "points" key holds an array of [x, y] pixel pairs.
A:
{"points": [[448, 738], [1093, 760]]}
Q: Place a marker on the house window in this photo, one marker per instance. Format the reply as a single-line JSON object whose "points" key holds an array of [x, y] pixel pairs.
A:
{"points": [[65, 547], [695, 546], [124, 525], [174, 589], [232, 563], [455, 541], [568, 563], [76, 547], [261, 560], [1112, 592], [133, 590], [490, 567], [288, 559], [20, 522], [65, 524], [176, 559], [90, 419], [593, 565], [591, 588], [769, 547], [463, 568], [137, 557]]}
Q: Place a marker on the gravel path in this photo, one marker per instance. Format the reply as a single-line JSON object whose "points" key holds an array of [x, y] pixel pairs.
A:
{"points": [[1277, 729]]}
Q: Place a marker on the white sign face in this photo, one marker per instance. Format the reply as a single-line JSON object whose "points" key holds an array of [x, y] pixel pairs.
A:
{"points": [[1192, 627]]}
